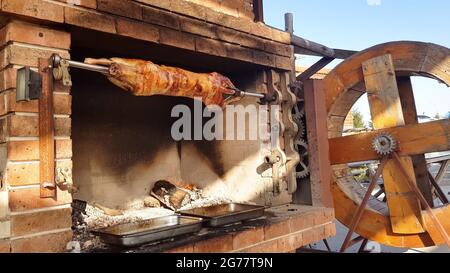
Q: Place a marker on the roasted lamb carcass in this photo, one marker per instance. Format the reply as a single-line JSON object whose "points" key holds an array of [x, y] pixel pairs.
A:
{"points": [[144, 78]]}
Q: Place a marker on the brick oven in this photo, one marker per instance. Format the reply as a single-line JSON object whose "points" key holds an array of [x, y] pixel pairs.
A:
{"points": [[114, 146]]}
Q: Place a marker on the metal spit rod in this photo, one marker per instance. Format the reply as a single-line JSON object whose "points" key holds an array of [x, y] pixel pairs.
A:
{"points": [[105, 70], [240, 93], [91, 67]]}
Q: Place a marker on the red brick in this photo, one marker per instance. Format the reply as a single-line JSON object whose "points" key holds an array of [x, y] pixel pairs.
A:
{"points": [[198, 27], [239, 53], [212, 15], [287, 243], [177, 39], [213, 4], [158, 3], [26, 55], [182, 249], [29, 149], [302, 222], [29, 198], [8, 78], [24, 174], [246, 10], [320, 218], [236, 37], [55, 242], [137, 30], [63, 127], [28, 126], [89, 19], [274, 230], [161, 17], [29, 223], [209, 46], [59, 87], [266, 247], [311, 236], [62, 104], [2, 105], [263, 58], [279, 49], [243, 39], [285, 63], [5, 246], [248, 238], [33, 34], [189, 9], [231, 7], [260, 29], [84, 3], [329, 214], [216, 245], [35, 8], [129, 9], [23, 126], [3, 130], [228, 21], [280, 36]]}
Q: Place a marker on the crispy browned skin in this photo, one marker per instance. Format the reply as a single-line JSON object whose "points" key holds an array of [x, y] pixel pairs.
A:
{"points": [[144, 78]]}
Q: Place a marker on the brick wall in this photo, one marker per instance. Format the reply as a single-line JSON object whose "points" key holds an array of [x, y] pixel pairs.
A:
{"points": [[283, 233], [180, 23], [27, 222], [237, 8]]}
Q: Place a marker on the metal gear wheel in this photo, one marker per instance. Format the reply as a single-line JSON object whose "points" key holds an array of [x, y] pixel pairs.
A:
{"points": [[299, 112], [302, 148], [301, 129], [384, 144], [302, 169]]}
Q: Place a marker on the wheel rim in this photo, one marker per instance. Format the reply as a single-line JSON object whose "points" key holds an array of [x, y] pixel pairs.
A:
{"points": [[344, 87]]}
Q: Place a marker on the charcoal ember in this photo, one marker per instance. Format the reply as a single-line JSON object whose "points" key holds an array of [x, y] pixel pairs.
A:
{"points": [[151, 202], [170, 195], [78, 209]]}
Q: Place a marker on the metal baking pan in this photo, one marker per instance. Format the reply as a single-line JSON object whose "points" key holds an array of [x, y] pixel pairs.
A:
{"points": [[143, 232], [220, 215]]}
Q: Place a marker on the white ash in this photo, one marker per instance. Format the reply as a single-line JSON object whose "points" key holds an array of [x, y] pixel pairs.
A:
{"points": [[95, 218], [141, 203], [205, 201]]}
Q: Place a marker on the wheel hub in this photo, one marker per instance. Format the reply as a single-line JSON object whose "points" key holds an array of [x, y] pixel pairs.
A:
{"points": [[384, 144]]}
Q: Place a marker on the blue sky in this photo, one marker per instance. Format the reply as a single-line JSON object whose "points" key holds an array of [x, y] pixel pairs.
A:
{"points": [[354, 24]]}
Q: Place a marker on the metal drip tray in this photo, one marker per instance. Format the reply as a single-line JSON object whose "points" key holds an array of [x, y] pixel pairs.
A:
{"points": [[220, 215], [143, 232]]}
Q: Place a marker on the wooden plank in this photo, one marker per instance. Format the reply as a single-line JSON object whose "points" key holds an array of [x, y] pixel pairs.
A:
{"points": [[410, 116], [386, 110], [319, 161], [46, 133], [258, 10], [439, 192], [442, 171], [308, 73], [434, 219], [412, 140]]}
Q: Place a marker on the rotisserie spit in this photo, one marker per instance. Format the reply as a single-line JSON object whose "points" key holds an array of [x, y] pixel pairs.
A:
{"points": [[144, 78]]}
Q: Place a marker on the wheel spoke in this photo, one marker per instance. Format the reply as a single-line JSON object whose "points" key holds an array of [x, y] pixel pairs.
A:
{"points": [[344, 86], [404, 207], [386, 111], [409, 110], [412, 140]]}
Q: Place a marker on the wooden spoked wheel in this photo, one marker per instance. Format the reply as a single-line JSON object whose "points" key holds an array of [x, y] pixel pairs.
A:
{"points": [[383, 72]]}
